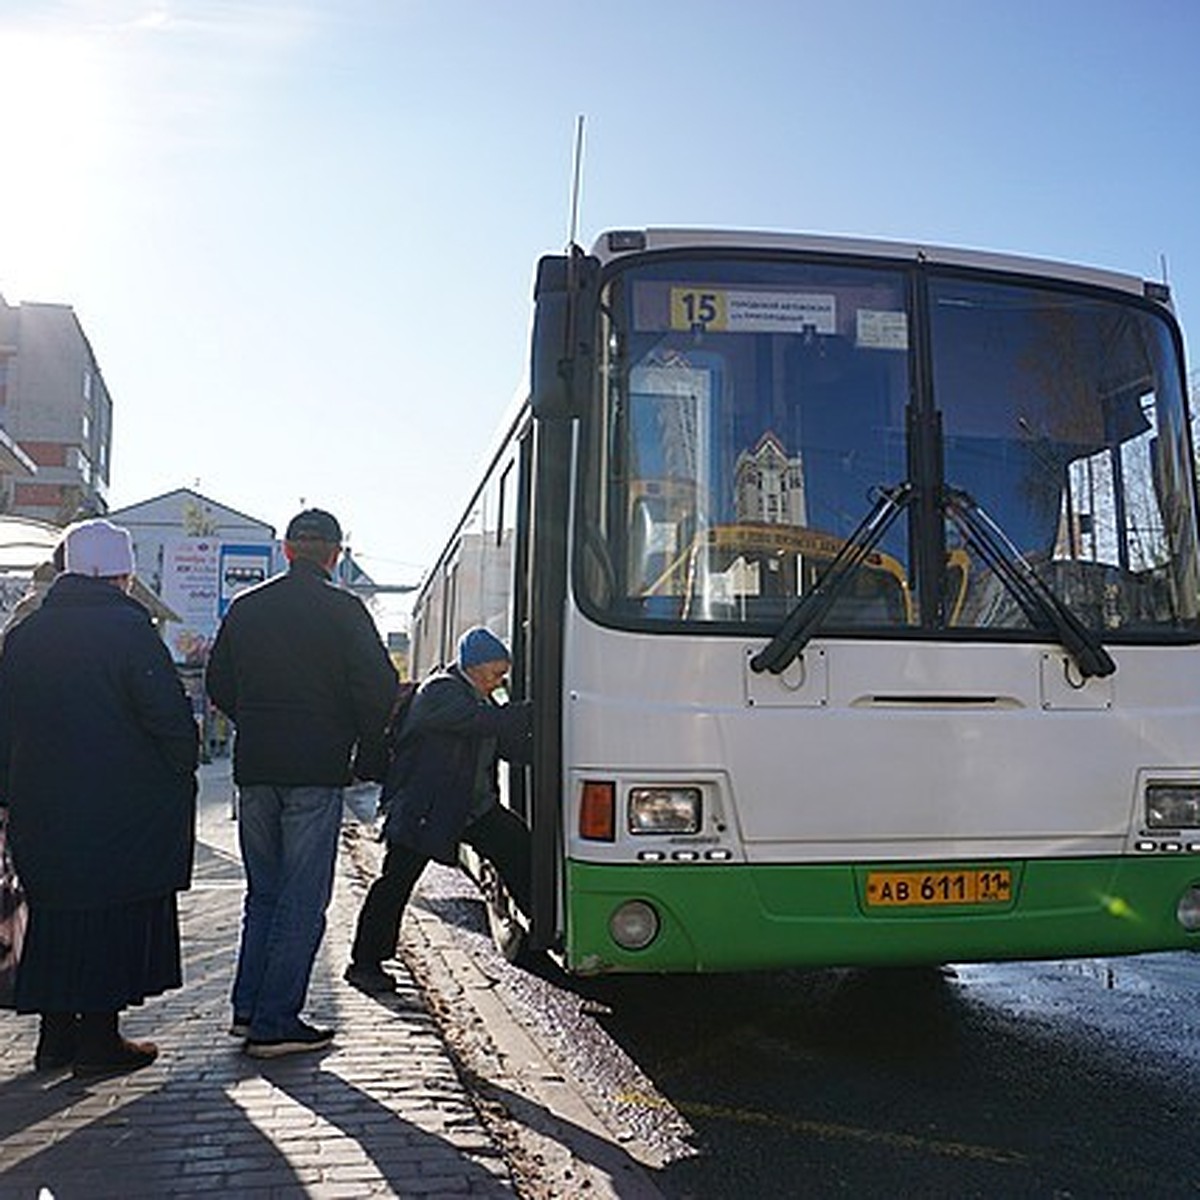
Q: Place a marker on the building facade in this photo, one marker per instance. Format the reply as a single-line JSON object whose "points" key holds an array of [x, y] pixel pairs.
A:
{"points": [[197, 554], [56, 413], [769, 486]]}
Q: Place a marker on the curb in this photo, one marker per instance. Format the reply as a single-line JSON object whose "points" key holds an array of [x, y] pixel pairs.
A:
{"points": [[555, 1142]]}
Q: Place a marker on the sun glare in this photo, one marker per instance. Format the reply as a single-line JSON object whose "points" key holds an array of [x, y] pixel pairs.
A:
{"points": [[52, 92]]}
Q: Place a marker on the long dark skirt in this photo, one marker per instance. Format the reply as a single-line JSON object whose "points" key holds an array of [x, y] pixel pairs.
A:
{"points": [[99, 960]]}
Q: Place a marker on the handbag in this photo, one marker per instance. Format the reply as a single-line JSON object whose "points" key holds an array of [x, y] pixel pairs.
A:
{"points": [[14, 915]]}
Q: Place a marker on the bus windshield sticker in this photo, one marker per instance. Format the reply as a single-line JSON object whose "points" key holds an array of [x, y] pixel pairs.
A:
{"points": [[882, 330], [722, 311]]}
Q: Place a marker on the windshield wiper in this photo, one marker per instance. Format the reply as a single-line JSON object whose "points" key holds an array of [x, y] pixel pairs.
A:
{"points": [[1037, 600], [802, 622]]}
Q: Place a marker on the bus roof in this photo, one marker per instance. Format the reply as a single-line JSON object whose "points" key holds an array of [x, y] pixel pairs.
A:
{"points": [[613, 244]]}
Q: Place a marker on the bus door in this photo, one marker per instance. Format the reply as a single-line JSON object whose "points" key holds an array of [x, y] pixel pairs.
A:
{"points": [[516, 497], [541, 583]]}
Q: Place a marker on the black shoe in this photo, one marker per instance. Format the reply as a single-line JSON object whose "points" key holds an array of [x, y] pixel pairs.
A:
{"points": [[52, 1060], [306, 1038], [124, 1056], [58, 1040], [370, 978]]}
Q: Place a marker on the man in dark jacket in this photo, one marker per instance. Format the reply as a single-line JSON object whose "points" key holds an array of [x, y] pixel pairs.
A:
{"points": [[298, 666], [442, 790]]}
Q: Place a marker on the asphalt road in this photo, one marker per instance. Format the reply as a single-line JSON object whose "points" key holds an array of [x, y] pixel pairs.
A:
{"points": [[1051, 1079], [1059, 1079]]}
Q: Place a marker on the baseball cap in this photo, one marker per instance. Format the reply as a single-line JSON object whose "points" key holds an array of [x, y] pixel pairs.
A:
{"points": [[314, 524]]}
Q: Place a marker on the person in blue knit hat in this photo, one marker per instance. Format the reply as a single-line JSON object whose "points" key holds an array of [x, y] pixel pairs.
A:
{"points": [[441, 789]]}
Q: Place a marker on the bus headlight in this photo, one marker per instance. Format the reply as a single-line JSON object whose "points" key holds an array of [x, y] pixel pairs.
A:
{"points": [[634, 925], [664, 810], [1172, 805], [1187, 911]]}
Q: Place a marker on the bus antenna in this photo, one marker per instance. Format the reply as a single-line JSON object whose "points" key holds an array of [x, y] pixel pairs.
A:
{"points": [[576, 184]]}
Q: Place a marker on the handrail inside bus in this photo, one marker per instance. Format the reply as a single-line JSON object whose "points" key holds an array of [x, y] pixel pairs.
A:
{"points": [[1040, 603], [802, 622]]}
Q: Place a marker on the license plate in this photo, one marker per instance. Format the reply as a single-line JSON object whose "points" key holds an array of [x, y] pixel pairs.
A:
{"points": [[905, 889]]}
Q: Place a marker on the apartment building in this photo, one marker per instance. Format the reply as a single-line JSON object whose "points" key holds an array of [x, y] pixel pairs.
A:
{"points": [[55, 413]]}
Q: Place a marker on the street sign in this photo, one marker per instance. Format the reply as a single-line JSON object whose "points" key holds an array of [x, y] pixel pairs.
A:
{"points": [[241, 567]]}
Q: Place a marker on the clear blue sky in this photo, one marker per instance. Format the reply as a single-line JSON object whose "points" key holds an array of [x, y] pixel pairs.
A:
{"points": [[301, 233]]}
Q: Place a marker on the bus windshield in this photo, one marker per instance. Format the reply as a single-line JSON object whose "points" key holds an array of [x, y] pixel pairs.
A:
{"points": [[748, 411]]}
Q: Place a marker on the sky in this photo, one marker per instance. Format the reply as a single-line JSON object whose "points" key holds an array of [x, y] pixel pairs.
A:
{"points": [[300, 235]]}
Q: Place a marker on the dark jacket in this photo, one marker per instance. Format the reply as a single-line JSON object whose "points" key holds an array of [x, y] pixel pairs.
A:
{"points": [[444, 773], [298, 666], [98, 751]]}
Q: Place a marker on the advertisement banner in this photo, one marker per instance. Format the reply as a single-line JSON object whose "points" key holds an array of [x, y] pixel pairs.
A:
{"points": [[190, 585]]}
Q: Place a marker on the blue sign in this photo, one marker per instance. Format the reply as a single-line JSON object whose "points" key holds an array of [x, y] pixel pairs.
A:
{"points": [[239, 568]]}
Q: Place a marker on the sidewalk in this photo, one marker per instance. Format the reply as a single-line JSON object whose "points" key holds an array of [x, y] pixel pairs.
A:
{"points": [[381, 1113]]}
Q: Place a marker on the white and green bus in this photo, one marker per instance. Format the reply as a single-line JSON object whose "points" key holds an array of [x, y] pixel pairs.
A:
{"points": [[856, 588]]}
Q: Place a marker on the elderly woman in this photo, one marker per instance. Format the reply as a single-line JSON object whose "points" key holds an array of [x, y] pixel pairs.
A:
{"points": [[98, 752]]}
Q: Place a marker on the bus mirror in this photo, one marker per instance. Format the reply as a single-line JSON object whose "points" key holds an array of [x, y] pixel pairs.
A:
{"points": [[564, 307]]}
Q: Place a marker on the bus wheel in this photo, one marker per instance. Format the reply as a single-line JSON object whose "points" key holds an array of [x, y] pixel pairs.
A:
{"points": [[508, 933]]}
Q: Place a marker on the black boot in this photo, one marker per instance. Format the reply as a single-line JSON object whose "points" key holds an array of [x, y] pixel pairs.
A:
{"points": [[58, 1040], [103, 1051]]}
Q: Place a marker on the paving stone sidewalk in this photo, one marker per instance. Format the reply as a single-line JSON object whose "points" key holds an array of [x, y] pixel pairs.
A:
{"points": [[383, 1112]]}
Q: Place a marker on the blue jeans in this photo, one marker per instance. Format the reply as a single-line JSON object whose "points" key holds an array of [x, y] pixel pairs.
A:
{"points": [[289, 839]]}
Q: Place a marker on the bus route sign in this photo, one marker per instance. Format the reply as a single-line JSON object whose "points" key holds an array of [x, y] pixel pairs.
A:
{"points": [[722, 310]]}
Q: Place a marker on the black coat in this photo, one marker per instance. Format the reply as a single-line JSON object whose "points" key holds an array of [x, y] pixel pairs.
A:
{"points": [[98, 751], [298, 667], [444, 773]]}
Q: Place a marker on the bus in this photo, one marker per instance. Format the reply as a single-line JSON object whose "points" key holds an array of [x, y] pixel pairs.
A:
{"points": [[855, 586]]}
